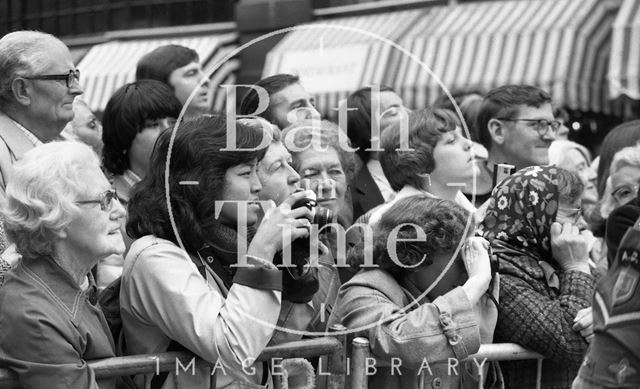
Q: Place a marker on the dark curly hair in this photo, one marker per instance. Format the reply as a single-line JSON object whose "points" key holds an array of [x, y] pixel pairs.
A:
{"points": [[443, 222], [426, 126], [196, 155], [125, 116]]}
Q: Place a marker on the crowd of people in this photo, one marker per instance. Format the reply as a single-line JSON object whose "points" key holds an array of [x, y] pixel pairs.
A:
{"points": [[167, 227]]}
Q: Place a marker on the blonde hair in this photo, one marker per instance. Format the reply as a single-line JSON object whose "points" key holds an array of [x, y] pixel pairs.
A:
{"points": [[41, 194]]}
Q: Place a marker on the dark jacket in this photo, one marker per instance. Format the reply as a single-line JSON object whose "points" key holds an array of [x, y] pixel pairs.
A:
{"points": [[539, 317], [49, 328], [621, 219], [365, 194], [613, 359]]}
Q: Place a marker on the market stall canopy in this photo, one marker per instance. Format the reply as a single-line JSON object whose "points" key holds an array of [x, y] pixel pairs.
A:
{"points": [[108, 66], [562, 46], [335, 57], [624, 66]]}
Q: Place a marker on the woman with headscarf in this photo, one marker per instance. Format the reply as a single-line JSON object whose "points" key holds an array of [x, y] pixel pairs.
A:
{"points": [[545, 283]]}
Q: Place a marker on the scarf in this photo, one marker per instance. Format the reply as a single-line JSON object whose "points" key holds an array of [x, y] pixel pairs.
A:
{"points": [[519, 217]]}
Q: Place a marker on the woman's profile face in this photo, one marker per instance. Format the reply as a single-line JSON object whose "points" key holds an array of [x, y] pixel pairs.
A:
{"points": [[87, 127], [322, 172], [575, 161], [142, 145], [454, 160], [241, 186], [94, 233]]}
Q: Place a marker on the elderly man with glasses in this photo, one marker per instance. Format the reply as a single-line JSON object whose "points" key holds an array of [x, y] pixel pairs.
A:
{"points": [[38, 83]]}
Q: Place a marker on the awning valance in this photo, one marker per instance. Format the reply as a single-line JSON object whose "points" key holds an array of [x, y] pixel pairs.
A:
{"points": [[108, 66], [561, 46], [335, 57], [624, 65]]}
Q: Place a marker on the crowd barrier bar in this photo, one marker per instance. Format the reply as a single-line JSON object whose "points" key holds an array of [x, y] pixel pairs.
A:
{"points": [[360, 351], [332, 347], [150, 363]]}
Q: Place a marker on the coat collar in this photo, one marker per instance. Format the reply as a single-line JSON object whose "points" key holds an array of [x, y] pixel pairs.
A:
{"points": [[56, 282], [17, 143]]}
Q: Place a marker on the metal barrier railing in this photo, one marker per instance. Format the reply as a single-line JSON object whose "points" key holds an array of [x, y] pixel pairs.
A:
{"points": [[360, 351], [154, 363], [334, 364]]}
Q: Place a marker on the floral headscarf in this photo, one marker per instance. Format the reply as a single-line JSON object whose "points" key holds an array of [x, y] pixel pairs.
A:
{"points": [[521, 211]]}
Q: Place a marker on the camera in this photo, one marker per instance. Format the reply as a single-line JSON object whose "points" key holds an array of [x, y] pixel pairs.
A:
{"points": [[321, 216]]}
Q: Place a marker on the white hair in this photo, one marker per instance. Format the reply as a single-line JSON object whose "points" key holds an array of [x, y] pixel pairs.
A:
{"points": [[559, 148], [41, 194], [629, 156], [22, 53]]}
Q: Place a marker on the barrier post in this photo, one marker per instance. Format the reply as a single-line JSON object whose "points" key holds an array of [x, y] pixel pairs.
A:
{"points": [[337, 362], [359, 354]]}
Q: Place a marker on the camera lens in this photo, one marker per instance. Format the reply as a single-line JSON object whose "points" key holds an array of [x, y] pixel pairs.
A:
{"points": [[323, 217]]}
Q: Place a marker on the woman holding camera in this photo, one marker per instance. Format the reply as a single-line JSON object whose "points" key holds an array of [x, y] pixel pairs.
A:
{"points": [[533, 223], [181, 288], [413, 319]]}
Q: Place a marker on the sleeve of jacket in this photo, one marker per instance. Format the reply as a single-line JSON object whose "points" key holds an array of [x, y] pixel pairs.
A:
{"points": [[41, 353], [541, 322], [436, 331], [166, 290]]}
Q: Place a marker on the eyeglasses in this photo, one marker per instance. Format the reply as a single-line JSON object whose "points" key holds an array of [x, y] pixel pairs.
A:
{"points": [[105, 200], [573, 214], [73, 75], [625, 193], [542, 125]]}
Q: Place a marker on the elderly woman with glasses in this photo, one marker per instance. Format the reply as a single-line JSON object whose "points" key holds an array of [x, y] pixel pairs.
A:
{"points": [[60, 212], [327, 168], [621, 206], [545, 280]]}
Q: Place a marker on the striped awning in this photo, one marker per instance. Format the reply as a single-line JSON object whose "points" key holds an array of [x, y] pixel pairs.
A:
{"points": [[108, 66], [561, 46], [335, 57], [624, 65]]}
